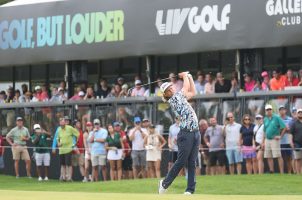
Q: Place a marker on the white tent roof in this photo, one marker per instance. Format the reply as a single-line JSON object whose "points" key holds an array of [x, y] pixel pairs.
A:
{"points": [[25, 2]]}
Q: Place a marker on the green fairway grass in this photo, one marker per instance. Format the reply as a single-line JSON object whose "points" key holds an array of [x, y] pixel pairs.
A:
{"points": [[213, 185]]}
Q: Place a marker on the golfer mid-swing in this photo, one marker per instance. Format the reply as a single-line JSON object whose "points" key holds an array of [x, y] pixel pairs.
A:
{"points": [[188, 139]]}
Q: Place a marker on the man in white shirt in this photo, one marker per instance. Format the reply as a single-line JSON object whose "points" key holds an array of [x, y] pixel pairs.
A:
{"points": [[232, 135], [138, 154], [172, 142]]}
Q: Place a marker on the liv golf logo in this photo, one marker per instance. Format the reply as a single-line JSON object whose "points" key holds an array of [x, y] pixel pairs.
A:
{"points": [[204, 19], [289, 11]]}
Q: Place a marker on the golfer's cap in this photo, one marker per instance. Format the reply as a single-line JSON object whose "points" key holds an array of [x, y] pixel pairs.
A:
{"points": [[145, 120], [137, 119], [88, 124], [299, 110], [268, 106], [281, 107], [116, 124], [37, 126], [19, 119], [264, 74], [259, 116], [165, 86], [38, 87], [96, 121], [81, 93], [138, 82]]}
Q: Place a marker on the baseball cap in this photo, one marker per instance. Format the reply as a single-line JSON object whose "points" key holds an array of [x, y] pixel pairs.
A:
{"points": [[137, 119], [88, 124], [38, 87], [138, 82], [264, 74], [37, 126], [299, 110], [165, 86], [281, 107], [116, 124], [66, 117], [19, 119], [268, 106], [96, 121], [259, 116], [81, 93], [145, 120]]}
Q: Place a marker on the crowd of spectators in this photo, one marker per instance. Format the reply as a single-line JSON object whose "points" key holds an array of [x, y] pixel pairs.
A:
{"points": [[137, 152], [206, 83]]}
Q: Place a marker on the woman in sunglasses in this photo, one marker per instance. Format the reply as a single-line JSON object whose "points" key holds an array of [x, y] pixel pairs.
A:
{"points": [[247, 143], [258, 136]]}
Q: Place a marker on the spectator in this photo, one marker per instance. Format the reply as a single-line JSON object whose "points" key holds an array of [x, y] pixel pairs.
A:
{"points": [[138, 90], [172, 142], [124, 91], [24, 89], [54, 95], [157, 87], [249, 83], [290, 79], [235, 86], [44, 92], [154, 143], [265, 85], [120, 81], [112, 93], [127, 161], [17, 138], [278, 82], [103, 89], [274, 129], [138, 154], [296, 142], [300, 78], [232, 135], [87, 146], [247, 143], [65, 144], [10, 95], [145, 125], [285, 141], [40, 95], [115, 146], [222, 85], [203, 126], [209, 87], [118, 89], [2, 149], [42, 156], [258, 135], [34, 97], [89, 94], [200, 83], [214, 139], [63, 86], [17, 96], [77, 157], [177, 84], [257, 86], [62, 95], [79, 96], [98, 152], [2, 97]]}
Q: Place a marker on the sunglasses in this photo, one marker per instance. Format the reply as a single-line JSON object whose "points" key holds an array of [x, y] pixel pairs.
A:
{"points": [[258, 118], [246, 119], [96, 124], [268, 109]]}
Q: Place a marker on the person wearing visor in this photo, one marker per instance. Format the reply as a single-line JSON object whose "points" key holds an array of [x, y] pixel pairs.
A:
{"points": [[188, 139]]}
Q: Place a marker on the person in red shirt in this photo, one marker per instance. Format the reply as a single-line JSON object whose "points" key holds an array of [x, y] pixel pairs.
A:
{"points": [[290, 79], [1, 153], [278, 82], [79, 150], [127, 161], [41, 93]]}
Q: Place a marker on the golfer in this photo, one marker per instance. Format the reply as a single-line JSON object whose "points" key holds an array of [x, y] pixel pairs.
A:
{"points": [[188, 139]]}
